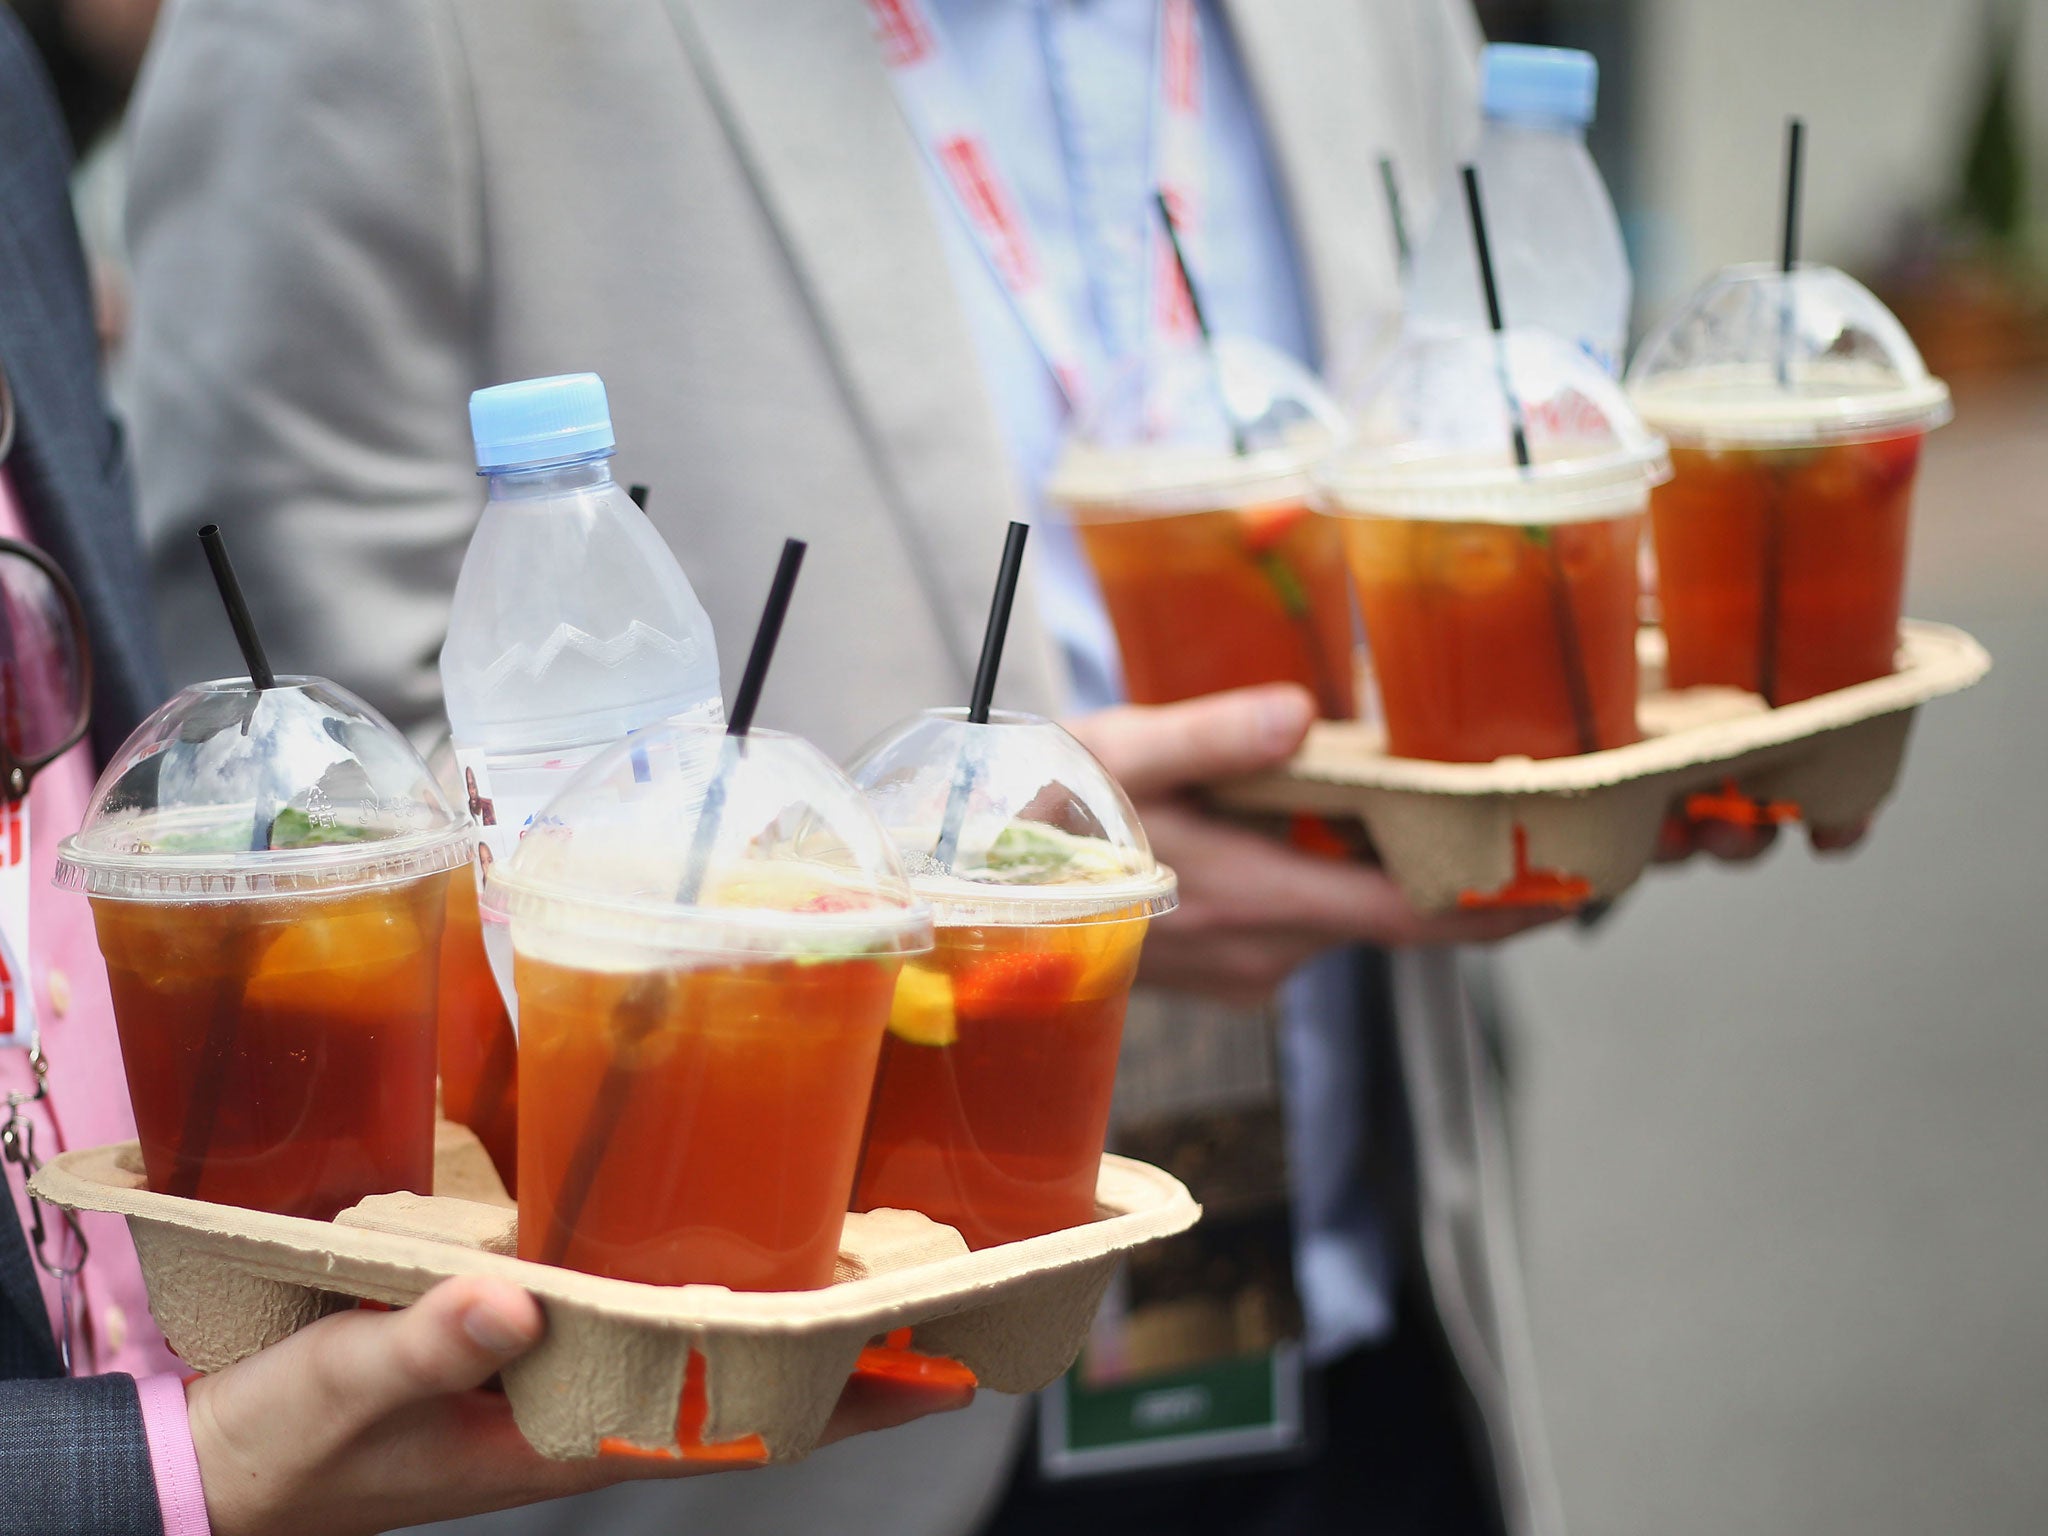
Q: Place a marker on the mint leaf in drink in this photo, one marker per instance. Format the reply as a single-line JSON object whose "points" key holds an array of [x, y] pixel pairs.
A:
{"points": [[1288, 585], [293, 828], [1032, 853], [214, 840], [289, 828]]}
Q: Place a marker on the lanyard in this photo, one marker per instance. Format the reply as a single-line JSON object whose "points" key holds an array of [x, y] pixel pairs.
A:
{"points": [[18, 1131], [940, 110], [75, 1344], [17, 987]]}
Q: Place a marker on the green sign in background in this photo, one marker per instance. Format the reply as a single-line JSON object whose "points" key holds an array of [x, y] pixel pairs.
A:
{"points": [[1210, 1399]]}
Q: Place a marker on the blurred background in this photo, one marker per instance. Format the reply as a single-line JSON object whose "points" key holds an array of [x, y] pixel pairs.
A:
{"points": [[1781, 1130]]}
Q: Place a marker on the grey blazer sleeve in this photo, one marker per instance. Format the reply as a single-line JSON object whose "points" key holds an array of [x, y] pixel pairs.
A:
{"points": [[74, 1460], [305, 232]]}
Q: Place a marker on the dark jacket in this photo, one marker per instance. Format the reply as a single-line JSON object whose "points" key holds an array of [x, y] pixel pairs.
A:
{"points": [[72, 1453]]}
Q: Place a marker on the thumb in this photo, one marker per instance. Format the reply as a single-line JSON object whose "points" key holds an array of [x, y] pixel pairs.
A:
{"points": [[455, 1337], [1153, 749]]}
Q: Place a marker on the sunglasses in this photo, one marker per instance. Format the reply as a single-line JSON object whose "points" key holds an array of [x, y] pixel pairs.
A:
{"points": [[45, 666], [45, 658]]}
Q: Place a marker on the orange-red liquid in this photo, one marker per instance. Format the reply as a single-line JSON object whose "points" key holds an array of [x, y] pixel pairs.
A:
{"points": [[280, 1053], [999, 1131], [1832, 521], [1491, 640], [479, 1055], [1203, 601], [730, 1100]]}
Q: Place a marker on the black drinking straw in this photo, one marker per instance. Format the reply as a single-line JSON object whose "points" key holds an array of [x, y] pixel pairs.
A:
{"points": [[640, 1010], [1187, 282], [237, 606], [998, 623], [766, 633], [202, 1109], [1788, 243], [1483, 248], [741, 719], [1390, 187], [948, 846], [1560, 595], [1772, 555], [252, 655]]}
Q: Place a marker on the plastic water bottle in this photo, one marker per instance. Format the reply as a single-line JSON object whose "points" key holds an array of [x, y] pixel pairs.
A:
{"points": [[573, 625], [1557, 251]]}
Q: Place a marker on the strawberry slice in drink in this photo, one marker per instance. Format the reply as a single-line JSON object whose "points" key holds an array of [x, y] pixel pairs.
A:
{"points": [[1264, 527], [832, 901], [1024, 982]]}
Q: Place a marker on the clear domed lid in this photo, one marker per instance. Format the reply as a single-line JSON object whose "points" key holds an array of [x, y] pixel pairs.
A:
{"points": [[1758, 355], [686, 840], [1190, 429], [1434, 435], [1012, 822], [228, 792]]}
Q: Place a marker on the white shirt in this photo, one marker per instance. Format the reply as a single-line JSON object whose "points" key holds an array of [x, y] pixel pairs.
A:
{"points": [[1065, 94]]}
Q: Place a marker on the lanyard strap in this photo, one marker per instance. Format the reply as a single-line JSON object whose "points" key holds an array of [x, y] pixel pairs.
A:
{"points": [[940, 110], [17, 986], [1177, 164]]}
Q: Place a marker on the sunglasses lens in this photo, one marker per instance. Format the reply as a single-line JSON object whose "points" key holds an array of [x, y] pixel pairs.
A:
{"points": [[42, 673]]}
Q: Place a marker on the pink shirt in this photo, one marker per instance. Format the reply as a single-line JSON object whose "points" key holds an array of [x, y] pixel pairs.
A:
{"points": [[88, 1107]]}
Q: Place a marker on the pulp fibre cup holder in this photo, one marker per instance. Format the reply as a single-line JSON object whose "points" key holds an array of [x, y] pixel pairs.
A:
{"points": [[692, 1371], [1564, 831]]}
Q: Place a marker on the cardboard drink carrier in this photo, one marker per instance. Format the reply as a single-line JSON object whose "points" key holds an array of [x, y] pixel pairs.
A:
{"points": [[695, 1371], [1566, 830], [1478, 461], [686, 848]]}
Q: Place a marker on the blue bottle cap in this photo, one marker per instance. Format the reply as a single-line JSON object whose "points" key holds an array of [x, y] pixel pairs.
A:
{"points": [[1525, 84], [540, 421]]}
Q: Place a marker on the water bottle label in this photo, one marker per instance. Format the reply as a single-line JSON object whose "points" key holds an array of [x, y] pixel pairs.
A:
{"points": [[504, 792]]}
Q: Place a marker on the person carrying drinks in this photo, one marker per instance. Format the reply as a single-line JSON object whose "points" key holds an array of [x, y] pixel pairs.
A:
{"points": [[361, 1422], [735, 215], [844, 268]]}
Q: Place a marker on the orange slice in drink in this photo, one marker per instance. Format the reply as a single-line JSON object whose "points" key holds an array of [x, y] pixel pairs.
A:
{"points": [[366, 942], [1108, 951], [922, 1012]]}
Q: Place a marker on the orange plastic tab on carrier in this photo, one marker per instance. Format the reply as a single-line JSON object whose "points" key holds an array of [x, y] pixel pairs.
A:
{"points": [[894, 1360], [1529, 887], [1731, 805]]}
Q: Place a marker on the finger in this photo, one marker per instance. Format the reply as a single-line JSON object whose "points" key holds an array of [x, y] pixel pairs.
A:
{"points": [[457, 1336], [1154, 749], [1238, 970], [1235, 880], [870, 1403], [1838, 839], [1270, 889]]}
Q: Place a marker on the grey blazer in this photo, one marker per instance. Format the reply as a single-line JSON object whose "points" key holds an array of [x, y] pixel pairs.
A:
{"points": [[345, 217], [73, 1457]]}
